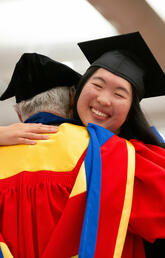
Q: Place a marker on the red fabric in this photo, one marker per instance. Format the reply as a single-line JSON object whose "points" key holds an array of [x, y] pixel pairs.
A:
{"points": [[147, 219], [31, 204], [65, 239], [148, 208], [133, 247], [31, 208], [1, 238], [114, 176]]}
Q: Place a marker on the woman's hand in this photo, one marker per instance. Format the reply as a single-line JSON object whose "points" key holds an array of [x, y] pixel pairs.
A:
{"points": [[21, 133]]}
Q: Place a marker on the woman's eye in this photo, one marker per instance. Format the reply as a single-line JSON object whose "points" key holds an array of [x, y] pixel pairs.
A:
{"points": [[97, 85], [119, 95]]}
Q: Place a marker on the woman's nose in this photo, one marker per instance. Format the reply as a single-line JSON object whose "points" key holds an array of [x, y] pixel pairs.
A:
{"points": [[104, 99]]}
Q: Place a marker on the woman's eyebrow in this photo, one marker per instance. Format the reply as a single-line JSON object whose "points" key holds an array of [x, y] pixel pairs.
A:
{"points": [[99, 78], [123, 89]]}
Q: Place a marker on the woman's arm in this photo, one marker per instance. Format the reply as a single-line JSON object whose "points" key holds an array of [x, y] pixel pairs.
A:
{"points": [[21, 133], [148, 208]]}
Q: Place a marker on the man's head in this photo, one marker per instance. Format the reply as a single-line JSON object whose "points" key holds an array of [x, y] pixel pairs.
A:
{"points": [[41, 84], [58, 101]]}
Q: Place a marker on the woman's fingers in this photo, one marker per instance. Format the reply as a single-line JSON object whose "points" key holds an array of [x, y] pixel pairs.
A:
{"points": [[35, 136], [21, 133], [25, 141], [37, 128]]}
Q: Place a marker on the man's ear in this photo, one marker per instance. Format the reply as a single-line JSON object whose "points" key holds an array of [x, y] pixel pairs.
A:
{"points": [[71, 96], [72, 92], [19, 116]]}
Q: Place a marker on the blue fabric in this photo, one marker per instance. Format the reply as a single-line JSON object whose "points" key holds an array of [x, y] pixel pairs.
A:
{"points": [[50, 119], [98, 136], [1, 254], [159, 137]]}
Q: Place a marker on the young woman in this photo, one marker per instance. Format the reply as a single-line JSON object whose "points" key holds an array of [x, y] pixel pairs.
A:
{"points": [[122, 72]]}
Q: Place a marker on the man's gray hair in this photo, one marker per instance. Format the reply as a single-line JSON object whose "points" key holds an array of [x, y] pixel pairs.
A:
{"points": [[56, 101]]}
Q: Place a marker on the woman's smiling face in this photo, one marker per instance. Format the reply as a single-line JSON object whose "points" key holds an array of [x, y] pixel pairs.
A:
{"points": [[105, 100]]}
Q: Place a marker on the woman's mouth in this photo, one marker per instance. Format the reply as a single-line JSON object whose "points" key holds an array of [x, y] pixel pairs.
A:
{"points": [[99, 114]]}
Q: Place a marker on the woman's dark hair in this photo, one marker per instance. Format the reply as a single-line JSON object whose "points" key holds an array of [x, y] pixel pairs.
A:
{"points": [[135, 126]]}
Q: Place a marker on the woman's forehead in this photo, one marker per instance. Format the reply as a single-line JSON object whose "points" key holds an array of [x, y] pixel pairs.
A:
{"points": [[105, 76]]}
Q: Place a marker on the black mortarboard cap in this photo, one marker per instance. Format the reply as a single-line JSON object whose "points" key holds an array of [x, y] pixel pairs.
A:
{"points": [[35, 73], [129, 57]]}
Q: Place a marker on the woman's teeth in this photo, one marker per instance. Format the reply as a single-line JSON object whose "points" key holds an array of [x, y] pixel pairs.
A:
{"points": [[98, 113]]}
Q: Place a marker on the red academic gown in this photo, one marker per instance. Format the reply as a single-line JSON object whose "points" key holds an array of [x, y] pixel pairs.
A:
{"points": [[42, 210], [36, 182], [148, 206]]}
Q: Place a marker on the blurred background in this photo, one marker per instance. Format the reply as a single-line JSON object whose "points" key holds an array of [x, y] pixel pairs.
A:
{"points": [[53, 28]]}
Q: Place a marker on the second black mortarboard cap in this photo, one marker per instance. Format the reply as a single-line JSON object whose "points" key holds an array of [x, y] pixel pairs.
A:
{"points": [[35, 73], [129, 57]]}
